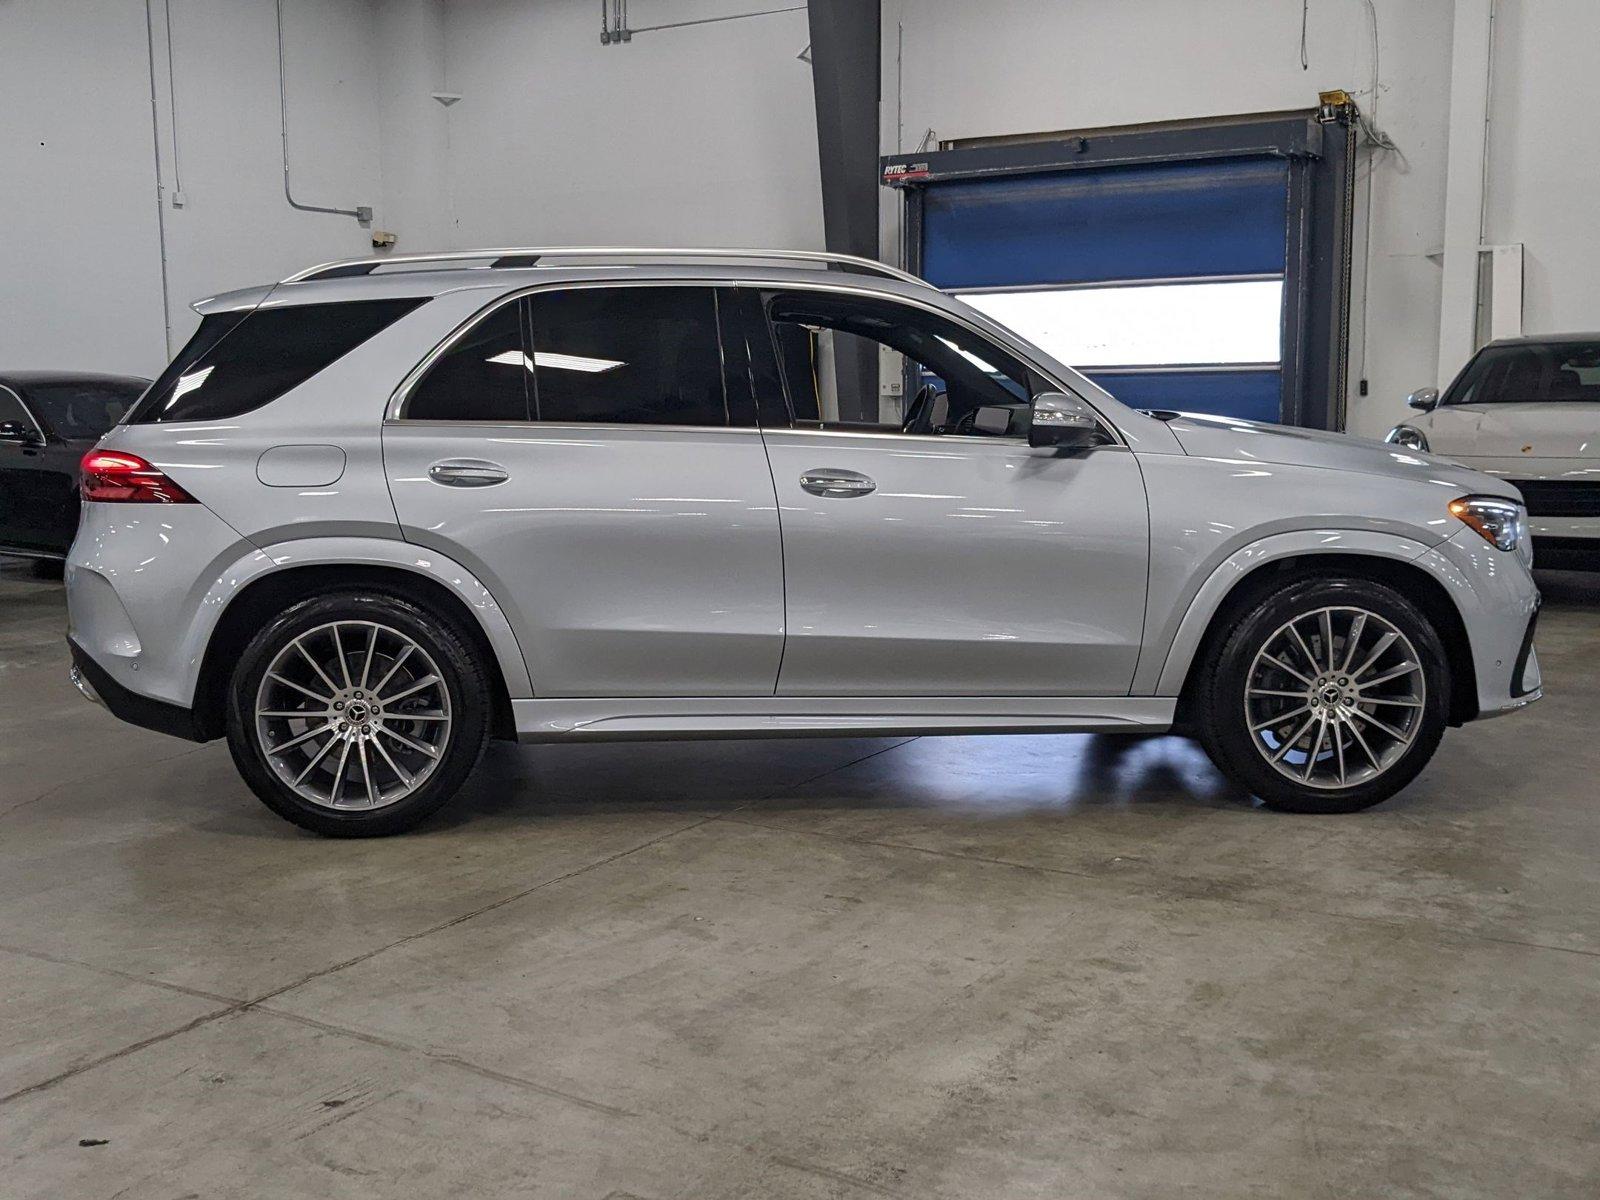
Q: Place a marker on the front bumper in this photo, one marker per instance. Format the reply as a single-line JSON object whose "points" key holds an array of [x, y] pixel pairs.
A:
{"points": [[1499, 605], [97, 685]]}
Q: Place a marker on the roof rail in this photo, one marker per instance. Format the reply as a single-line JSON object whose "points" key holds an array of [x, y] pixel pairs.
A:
{"points": [[528, 256]]}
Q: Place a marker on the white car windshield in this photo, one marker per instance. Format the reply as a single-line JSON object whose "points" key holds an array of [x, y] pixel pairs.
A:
{"points": [[1531, 373]]}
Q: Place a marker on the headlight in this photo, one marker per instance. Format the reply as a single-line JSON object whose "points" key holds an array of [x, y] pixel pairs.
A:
{"points": [[1408, 436], [1498, 522]]}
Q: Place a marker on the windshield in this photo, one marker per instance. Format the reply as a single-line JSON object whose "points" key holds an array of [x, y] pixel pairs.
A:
{"points": [[83, 410], [1553, 372]]}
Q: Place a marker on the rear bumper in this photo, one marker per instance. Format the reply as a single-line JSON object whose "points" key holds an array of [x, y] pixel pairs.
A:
{"points": [[97, 685]]}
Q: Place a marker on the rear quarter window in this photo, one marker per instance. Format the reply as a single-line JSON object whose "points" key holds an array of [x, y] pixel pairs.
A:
{"points": [[237, 363]]}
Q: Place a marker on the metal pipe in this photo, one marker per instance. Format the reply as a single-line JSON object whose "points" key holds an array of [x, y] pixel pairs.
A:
{"points": [[767, 12], [155, 146], [362, 214]]}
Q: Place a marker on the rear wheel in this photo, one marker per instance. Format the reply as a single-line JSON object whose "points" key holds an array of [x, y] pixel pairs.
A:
{"points": [[357, 714], [1328, 697]]}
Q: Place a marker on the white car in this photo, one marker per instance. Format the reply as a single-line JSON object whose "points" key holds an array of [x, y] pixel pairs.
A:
{"points": [[1528, 411]]}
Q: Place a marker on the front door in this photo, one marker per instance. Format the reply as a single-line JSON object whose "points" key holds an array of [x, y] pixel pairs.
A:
{"points": [[938, 554], [28, 483], [580, 450]]}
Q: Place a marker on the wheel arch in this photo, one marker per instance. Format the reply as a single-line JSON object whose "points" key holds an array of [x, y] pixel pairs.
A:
{"points": [[245, 605], [1245, 579]]}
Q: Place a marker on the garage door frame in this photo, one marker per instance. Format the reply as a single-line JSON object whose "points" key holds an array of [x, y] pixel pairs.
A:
{"points": [[1319, 146]]}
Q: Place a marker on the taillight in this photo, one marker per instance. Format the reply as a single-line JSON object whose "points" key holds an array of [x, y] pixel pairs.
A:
{"points": [[117, 477]]}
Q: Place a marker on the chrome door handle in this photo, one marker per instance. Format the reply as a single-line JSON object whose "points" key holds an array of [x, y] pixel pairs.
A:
{"points": [[834, 481], [468, 472]]}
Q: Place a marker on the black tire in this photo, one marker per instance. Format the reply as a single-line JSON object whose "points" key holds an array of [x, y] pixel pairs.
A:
{"points": [[463, 677], [1223, 723]]}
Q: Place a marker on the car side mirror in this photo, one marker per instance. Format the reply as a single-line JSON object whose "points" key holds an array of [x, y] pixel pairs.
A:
{"points": [[15, 433], [1062, 420], [1424, 399]]}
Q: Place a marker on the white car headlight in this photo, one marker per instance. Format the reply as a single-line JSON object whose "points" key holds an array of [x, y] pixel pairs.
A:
{"points": [[1408, 436], [1498, 522]]}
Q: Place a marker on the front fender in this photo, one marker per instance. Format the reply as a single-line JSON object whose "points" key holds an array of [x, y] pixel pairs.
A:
{"points": [[1170, 650], [358, 551]]}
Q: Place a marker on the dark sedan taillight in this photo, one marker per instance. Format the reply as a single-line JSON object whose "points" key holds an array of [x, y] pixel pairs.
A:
{"points": [[117, 477]]}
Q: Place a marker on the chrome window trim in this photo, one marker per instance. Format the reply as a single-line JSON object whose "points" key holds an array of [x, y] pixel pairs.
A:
{"points": [[394, 411]]}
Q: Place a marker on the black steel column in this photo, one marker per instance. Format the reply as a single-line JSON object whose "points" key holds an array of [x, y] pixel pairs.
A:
{"points": [[844, 75]]}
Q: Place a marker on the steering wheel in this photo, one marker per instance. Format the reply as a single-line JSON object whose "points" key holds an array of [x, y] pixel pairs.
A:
{"points": [[920, 406]]}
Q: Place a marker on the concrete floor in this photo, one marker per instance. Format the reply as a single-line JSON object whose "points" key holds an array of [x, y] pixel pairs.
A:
{"points": [[1003, 967]]}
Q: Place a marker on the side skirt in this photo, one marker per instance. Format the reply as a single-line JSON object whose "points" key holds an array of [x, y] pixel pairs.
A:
{"points": [[651, 719]]}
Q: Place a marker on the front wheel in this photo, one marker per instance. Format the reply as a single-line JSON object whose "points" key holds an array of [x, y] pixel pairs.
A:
{"points": [[1328, 697], [357, 714]]}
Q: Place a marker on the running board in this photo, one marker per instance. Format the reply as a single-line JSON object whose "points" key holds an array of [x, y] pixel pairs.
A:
{"points": [[649, 719]]}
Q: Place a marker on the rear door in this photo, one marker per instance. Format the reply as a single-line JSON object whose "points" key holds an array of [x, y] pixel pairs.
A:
{"points": [[585, 452]]}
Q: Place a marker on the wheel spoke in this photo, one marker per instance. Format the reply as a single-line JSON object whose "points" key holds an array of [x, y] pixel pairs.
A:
{"points": [[323, 700], [418, 717], [1403, 669], [317, 758], [1400, 703], [1281, 665], [1289, 745], [1305, 649], [419, 747], [337, 792], [425, 681], [1327, 637], [400, 772], [1255, 691], [366, 775], [1316, 747], [1358, 626], [1355, 732], [1396, 734], [338, 650], [1338, 752], [310, 733], [1384, 643], [372, 648], [378, 687], [1283, 716], [291, 713], [316, 666]]}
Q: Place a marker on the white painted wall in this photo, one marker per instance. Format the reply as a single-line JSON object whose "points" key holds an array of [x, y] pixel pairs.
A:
{"points": [[706, 134], [80, 265], [703, 135]]}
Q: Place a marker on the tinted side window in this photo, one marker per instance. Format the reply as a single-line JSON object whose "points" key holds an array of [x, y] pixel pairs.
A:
{"points": [[11, 410], [83, 410], [235, 364], [834, 351], [484, 376], [633, 355]]}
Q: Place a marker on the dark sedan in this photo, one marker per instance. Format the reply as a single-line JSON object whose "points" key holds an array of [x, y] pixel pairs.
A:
{"points": [[47, 420]]}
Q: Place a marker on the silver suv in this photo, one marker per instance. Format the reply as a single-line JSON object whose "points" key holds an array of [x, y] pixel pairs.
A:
{"points": [[383, 511]]}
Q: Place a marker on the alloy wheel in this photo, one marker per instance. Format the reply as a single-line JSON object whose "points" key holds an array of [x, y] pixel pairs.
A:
{"points": [[1335, 697], [353, 715]]}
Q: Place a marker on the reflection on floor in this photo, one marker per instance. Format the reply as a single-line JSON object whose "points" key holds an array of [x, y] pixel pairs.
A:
{"points": [[1013, 966]]}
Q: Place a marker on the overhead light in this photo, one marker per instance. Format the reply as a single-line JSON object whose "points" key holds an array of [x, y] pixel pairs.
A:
{"points": [[557, 362], [188, 383]]}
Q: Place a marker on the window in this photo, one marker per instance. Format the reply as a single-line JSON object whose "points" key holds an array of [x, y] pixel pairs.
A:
{"points": [[12, 411], [1554, 371], [83, 410], [630, 355], [837, 351], [236, 363], [481, 377]]}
